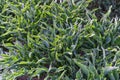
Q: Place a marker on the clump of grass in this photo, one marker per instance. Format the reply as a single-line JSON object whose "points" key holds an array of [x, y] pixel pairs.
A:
{"points": [[103, 7], [53, 39]]}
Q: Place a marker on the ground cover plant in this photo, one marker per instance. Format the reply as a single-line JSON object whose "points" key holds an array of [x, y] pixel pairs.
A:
{"points": [[103, 7], [58, 40]]}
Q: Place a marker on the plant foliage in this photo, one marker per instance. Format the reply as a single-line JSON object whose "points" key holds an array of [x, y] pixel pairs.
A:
{"points": [[58, 40]]}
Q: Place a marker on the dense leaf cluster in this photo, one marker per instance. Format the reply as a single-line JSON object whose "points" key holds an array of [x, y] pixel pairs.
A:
{"points": [[103, 6], [58, 40]]}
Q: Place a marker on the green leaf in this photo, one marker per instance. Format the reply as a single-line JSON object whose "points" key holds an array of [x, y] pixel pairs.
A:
{"points": [[39, 71], [61, 69], [62, 74], [109, 69], [78, 75], [83, 67], [8, 44]]}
